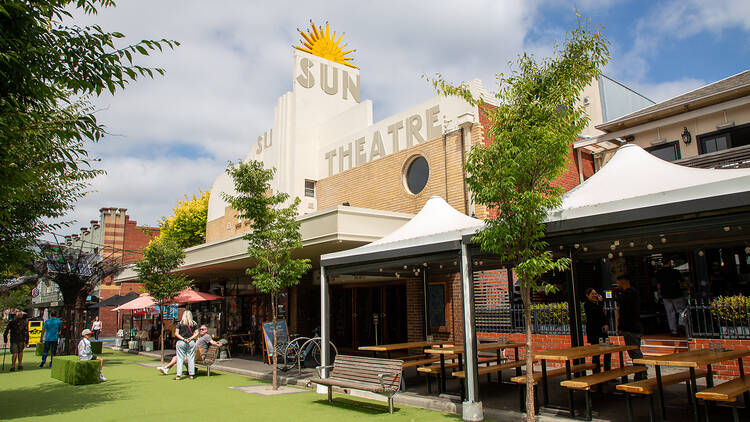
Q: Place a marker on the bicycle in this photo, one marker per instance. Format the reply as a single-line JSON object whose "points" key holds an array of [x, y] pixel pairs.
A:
{"points": [[300, 349]]}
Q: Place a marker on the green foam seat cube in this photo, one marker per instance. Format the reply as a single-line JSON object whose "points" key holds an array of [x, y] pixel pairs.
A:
{"points": [[96, 347], [40, 348], [73, 371]]}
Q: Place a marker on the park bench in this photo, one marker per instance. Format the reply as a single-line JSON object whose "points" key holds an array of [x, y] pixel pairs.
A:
{"points": [[207, 359], [380, 376], [726, 392], [585, 383], [551, 373], [648, 387]]}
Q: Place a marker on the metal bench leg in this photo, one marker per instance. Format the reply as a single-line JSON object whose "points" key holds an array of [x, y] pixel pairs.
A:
{"points": [[429, 383], [629, 405], [536, 401], [330, 394], [651, 410], [735, 415], [390, 404], [705, 408], [588, 405], [522, 398]]}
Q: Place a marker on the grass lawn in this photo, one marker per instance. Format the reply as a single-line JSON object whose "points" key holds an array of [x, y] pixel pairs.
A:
{"points": [[136, 392]]}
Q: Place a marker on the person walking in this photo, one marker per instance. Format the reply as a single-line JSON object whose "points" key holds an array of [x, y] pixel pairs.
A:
{"points": [[186, 333], [96, 327], [19, 338], [50, 334], [628, 317], [84, 352], [596, 324], [669, 283]]}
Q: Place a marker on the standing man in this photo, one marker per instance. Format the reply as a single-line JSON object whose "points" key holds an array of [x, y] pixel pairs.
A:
{"points": [[50, 334], [669, 283], [19, 338], [628, 317]]}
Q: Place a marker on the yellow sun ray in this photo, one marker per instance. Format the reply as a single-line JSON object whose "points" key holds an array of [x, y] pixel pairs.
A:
{"points": [[323, 43]]}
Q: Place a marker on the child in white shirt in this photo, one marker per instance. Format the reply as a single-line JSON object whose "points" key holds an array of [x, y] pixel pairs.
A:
{"points": [[84, 352]]}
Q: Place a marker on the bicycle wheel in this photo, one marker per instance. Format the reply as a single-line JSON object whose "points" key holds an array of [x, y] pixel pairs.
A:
{"points": [[315, 352]]}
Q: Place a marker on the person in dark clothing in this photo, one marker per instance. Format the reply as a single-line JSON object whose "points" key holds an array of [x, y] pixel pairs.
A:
{"points": [[19, 338], [628, 317], [669, 283], [596, 324]]}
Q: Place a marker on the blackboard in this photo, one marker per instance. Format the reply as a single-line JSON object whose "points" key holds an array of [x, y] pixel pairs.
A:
{"points": [[282, 334], [436, 300]]}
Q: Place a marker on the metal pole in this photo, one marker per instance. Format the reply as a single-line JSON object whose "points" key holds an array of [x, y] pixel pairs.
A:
{"points": [[472, 407], [574, 310], [325, 337], [425, 289]]}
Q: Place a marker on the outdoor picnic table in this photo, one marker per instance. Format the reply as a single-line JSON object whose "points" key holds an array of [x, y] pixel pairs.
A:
{"points": [[693, 359], [388, 348], [457, 351], [571, 354]]}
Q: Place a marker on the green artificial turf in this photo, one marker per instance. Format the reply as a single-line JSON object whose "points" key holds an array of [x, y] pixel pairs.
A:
{"points": [[135, 392]]}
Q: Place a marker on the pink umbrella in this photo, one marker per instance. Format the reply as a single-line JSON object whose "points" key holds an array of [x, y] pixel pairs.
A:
{"points": [[143, 301], [185, 296]]}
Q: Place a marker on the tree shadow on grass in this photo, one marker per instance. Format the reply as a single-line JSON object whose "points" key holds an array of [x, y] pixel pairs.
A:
{"points": [[56, 398]]}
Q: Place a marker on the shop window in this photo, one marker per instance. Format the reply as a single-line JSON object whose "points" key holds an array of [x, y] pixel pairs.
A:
{"points": [[310, 188], [668, 152], [436, 302], [417, 174], [724, 139]]}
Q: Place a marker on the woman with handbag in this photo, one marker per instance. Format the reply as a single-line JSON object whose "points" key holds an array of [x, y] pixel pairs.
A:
{"points": [[186, 333]]}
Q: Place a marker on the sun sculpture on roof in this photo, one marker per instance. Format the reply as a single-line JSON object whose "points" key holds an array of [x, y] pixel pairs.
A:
{"points": [[324, 44]]}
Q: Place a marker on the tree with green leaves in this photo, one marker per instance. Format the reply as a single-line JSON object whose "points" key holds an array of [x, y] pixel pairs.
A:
{"points": [[538, 118], [187, 224], [275, 234], [50, 70], [156, 270]]}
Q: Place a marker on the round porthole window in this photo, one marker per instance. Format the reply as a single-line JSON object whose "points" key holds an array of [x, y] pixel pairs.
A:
{"points": [[417, 174]]}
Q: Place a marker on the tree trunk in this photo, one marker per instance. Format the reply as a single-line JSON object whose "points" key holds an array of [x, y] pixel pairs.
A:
{"points": [[161, 334], [275, 354], [526, 296], [77, 324]]}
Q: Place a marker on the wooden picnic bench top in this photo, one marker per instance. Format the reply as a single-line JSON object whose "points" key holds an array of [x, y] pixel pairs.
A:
{"points": [[693, 358], [483, 370], [648, 386], [399, 346], [435, 369], [481, 347], [727, 391], [580, 352], [585, 383]]}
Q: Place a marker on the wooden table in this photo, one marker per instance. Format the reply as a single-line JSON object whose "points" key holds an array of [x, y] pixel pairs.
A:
{"points": [[571, 354], [388, 348], [691, 360], [458, 351]]}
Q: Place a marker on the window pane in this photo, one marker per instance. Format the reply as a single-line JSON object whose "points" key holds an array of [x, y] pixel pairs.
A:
{"points": [[665, 152], [710, 145], [417, 175], [310, 188], [721, 143]]}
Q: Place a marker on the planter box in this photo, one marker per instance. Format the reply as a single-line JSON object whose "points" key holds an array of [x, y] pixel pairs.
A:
{"points": [[70, 370], [735, 332]]}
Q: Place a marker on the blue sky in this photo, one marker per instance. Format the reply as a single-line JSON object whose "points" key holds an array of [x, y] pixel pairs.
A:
{"points": [[173, 135]]}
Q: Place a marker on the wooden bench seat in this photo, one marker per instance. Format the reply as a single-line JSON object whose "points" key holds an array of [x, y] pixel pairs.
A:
{"points": [[419, 362], [648, 386], [726, 391], [435, 369], [208, 359], [483, 370], [381, 376], [585, 383], [554, 373]]}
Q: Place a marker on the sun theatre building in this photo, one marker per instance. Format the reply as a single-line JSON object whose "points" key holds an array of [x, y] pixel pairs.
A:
{"points": [[358, 181]]}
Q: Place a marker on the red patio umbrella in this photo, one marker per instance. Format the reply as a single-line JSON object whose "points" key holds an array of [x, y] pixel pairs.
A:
{"points": [[185, 296]]}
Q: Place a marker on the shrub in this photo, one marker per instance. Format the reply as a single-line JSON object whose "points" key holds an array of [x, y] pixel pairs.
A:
{"points": [[734, 310]]}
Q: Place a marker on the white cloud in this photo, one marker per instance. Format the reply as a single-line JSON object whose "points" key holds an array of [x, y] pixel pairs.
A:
{"points": [[665, 90]]}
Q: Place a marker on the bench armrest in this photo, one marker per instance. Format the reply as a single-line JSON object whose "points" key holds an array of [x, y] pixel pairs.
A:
{"points": [[382, 384], [318, 368]]}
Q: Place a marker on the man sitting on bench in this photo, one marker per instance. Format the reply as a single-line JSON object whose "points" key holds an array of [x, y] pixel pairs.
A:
{"points": [[201, 347], [84, 352]]}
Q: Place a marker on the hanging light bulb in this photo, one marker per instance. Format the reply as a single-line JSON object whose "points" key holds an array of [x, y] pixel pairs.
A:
{"points": [[610, 256], [585, 248], [649, 246], [441, 266], [613, 246], [397, 275], [632, 244], [727, 228], [380, 269], [619, 253], [663, 240], [747, 250], [701, 253], [481, 262], [406, 266], [576, 246]]}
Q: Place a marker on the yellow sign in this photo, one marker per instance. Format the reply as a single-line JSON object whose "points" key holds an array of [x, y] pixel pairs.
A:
{"points": [[324, 44], [35, 332]]}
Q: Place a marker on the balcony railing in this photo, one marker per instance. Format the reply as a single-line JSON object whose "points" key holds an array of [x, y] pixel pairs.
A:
{"points": [[718, 318]]}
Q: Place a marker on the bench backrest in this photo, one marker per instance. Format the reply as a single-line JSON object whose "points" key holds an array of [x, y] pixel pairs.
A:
{"points": [[366, 370], [209, 357]]}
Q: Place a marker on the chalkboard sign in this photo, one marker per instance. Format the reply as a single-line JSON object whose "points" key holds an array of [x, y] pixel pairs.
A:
{"points": [[436, 300], [282, 335]]}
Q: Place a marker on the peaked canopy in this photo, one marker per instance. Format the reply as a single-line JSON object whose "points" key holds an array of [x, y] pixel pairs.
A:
{"points": [[636, 185], [438, 226]]}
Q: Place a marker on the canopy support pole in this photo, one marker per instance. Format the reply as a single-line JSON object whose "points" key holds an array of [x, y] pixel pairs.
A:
{"points": [[425, 289], [472, 407], [325, 332]]}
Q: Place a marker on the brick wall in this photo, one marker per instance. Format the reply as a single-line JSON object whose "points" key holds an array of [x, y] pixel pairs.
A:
{"points": [[415, 309]]}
